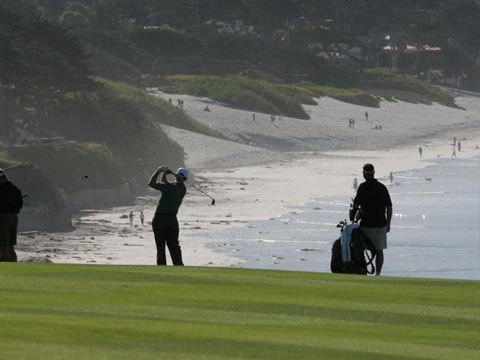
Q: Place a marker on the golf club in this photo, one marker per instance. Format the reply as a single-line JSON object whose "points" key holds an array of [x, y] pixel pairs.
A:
{"points": [[195, 187], [203, 192]]}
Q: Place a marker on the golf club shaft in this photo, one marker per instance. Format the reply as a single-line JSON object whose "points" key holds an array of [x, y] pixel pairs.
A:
{"points": [[203, 192]]}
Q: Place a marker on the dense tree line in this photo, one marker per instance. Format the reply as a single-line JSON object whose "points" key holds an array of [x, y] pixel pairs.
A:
{"points": [[40, 61], [49, 88], [126, 38]]}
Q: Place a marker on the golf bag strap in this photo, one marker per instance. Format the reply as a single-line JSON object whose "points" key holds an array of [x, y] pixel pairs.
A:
{"points": [[370, 257], [370, 253]]}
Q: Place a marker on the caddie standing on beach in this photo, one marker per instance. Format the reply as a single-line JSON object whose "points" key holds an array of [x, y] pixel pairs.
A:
{"points": [[11, 202], [375, 205], [165, 223]]}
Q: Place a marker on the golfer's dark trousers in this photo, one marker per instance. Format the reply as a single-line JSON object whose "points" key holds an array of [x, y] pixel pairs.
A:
{"points": [[165, 229], [8, 237]]}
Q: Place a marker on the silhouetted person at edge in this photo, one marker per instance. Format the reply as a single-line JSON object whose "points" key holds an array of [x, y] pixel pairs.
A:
{"points": [[11, 202], [165, 223], [374, 202]]}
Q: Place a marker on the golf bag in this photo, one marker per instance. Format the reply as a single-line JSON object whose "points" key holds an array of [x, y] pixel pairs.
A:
{"points": [[362, 254]]}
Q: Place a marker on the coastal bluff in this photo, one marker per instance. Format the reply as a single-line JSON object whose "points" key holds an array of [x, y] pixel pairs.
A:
{"points": [[44, 209]]}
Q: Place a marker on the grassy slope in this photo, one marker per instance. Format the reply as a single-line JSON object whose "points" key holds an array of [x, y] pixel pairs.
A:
{"points": [[6, 162], [352, 96], [158, 110], [122, 312], [245, 92], [287, 99], [137, 143], [392, 85]]}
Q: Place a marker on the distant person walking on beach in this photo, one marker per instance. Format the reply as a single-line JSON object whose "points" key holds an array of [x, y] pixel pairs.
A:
{"points": [[165, 223], [459, 145], [253, 118], [366, 115], [375, 205], [391, 177], [420, 151], [454, 141], [11, 202], [454, 154], [130, 217], [355, 184], [272, 118], [142, 217]]}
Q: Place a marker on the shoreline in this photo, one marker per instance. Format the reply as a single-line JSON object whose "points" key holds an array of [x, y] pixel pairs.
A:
{"points": [[434, 228], [325, 174], [331, 177]]}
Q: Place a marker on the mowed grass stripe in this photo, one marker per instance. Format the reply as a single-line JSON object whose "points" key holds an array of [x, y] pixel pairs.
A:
{"points": [[145, 334], [147, 312]]}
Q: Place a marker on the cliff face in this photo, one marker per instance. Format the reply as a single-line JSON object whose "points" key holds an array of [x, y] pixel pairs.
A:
{"points": [[44, 208], [99, 198]]}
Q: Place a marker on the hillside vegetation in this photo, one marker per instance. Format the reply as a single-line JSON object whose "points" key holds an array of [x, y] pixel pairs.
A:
{"points": [[136, 143], [323, 41], [394, 85], [126, 312], [246, 93], [158, 110], [66, 163], [280, 98], [48, 91], [5, 162], [352, 96]]}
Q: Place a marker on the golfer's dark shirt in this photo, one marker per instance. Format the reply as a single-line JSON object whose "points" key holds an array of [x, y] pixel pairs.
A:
{"points": [[172, 197], [373, 199], [10, 198]]}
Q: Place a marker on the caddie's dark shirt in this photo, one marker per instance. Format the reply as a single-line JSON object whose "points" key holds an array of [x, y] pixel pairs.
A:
{"points": [[10, 198], [373, 199]]}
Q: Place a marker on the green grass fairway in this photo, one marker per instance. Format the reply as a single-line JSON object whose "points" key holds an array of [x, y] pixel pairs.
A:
{"points": [[132, 312]]}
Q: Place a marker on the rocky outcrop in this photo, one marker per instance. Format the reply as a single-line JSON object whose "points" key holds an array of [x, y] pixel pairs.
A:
{"points": [[44, 208]]}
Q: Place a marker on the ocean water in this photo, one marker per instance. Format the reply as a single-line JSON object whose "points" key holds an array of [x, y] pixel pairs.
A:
{"points": [[435, 228]]}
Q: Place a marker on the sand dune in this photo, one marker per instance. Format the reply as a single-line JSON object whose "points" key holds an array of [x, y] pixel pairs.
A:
{"points": [[402, 124]]}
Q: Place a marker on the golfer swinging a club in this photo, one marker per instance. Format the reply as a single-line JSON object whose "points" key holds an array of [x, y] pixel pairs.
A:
{"points": [[165, 223]]}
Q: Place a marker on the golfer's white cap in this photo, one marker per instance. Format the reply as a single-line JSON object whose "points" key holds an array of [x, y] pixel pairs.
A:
{"points": [[183, 172]]}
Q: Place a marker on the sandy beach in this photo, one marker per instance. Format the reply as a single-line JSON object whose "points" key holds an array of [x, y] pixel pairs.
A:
{"points": [[263, 171]]}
